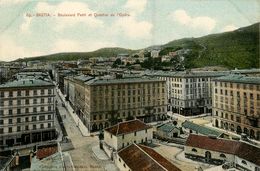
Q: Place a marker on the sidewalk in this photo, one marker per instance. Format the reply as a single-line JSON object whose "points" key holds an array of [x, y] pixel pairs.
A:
{"points": [[83, 129]]}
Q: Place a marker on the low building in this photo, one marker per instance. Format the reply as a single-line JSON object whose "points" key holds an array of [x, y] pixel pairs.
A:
{"points": [[139, 157], [236, 104], [190, 127], [218, 151], [168, 131], [126, 133]]}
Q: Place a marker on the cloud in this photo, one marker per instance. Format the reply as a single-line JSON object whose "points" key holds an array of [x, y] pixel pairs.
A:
{"points": [[12, 2], [229, 28], [134, 29], [68, 45], [136, 6], [64, 22], [26, 24], [10, 50], [201, 22]]}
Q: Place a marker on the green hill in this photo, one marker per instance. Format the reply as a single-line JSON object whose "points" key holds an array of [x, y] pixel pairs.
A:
{"points": [[104, 52], [235, 49]]}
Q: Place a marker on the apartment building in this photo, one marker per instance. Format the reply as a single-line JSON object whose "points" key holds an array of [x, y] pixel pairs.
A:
{"points": [[27, 111], [188, 93], [101, 102], [236, 104]]}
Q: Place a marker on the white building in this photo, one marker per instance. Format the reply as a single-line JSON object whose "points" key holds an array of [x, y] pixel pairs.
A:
{"points": [[242, 155], [125, 133]]}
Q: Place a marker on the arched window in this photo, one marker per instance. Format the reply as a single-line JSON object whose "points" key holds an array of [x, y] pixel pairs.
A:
{"points": [[244, 162], [222, 155], [194, 150]]}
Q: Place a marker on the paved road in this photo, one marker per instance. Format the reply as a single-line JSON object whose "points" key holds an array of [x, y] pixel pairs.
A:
{"points": [[82, 155]]}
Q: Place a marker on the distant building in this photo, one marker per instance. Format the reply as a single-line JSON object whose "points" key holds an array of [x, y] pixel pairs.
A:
{"points": [[125, 133], [242, 155], [139, 157], [236, 104], [155, 53], [27, 110]]}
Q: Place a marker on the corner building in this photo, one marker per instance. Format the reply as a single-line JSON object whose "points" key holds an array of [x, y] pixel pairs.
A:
{"points": [[27, 110], [236, 104]]}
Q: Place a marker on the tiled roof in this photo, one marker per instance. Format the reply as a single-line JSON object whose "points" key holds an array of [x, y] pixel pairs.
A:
{"points": [[45, 152], [27, 83], [239, 79], [140, 157], [241, 149], [200, 129], [127, 127]]}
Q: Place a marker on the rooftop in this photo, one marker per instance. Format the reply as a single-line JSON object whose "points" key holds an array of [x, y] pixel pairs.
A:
{"points": [[123, 80], [140, 157], [25, 82], [241, 149], [127, 127], [201, 129], [239, 79], [167, 127]]}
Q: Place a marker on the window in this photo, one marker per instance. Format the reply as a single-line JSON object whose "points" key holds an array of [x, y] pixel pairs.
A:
{"points": [[42, 100], [244, 162], [42, 91], [2, 94], [27, 101], [49, 125], [26, 110], [34, 109], [111, 136], [34, 92], [34, 118], [1, 112], [34, 101], [26, 119], [1, 130], [10, 121], [19, 102], [123, 136], [10, 129], [42, 109], [49, 108], [194, 150], [49, 117], [34, 126], [1, 122], [10, 112], [10, 94], [42, 118], [222, 155], [135, 133], [49, 91], [146, 131], [49, 100], [10, 102], [18, 120], [27, 92], [42, 126], [18, 128]]}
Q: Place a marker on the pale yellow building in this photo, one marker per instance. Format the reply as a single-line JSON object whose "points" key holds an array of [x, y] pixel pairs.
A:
{"points": [[108, 101], [236, 104]]}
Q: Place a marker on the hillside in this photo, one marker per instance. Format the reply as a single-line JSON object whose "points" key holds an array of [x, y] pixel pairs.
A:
{"points": [[236, 49], [104, 52]]}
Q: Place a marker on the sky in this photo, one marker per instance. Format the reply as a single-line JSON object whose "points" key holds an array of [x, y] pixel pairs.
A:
{"points": [[97, 23]]}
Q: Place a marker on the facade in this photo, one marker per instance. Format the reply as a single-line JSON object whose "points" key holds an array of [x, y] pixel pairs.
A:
{"points": [[102, 102], [236, 104], [125, 133], [27, 112], [218, 151], [189, 93], [139, 157]]}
